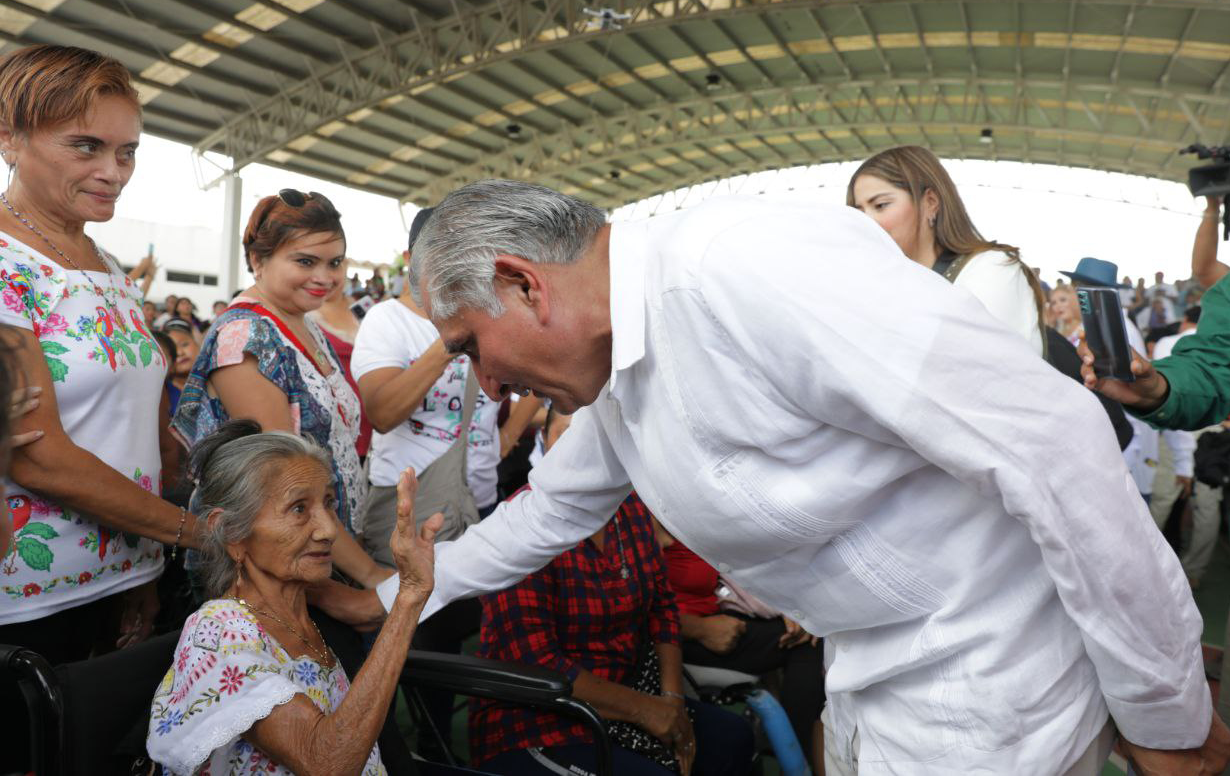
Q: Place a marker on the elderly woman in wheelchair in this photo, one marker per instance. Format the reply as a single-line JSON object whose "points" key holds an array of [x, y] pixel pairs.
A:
{"points": [[253, 686]]}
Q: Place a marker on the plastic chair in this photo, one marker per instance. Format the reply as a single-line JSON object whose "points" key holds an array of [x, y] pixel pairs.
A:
{"points": [[67, 740]]}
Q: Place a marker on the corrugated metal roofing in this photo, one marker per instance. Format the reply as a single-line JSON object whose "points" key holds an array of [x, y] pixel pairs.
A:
{"points": [[411, 98]]}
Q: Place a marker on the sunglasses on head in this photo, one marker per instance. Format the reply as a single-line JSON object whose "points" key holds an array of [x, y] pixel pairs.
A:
{"points": [[296, 198]]}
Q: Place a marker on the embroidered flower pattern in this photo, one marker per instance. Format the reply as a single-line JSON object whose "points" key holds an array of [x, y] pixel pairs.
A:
{"points": [[55, 551], [232, 679], [224, 687]]}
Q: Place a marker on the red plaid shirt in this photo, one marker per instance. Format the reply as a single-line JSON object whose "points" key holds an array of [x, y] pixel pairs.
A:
{"points": [[577, 613]]}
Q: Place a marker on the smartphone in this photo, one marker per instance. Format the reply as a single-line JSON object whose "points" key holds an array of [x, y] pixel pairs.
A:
{"points": [[1106, 333]]}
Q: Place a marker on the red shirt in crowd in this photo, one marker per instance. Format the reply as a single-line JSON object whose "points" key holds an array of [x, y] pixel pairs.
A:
{"points": [[693, 580]]}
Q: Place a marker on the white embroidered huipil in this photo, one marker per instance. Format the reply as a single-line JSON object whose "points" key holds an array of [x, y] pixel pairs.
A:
{"points": [[862, 446]]}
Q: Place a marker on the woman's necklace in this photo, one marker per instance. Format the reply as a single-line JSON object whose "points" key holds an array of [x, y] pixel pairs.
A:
{"points": [[64, 257], [30, 225], [322, 657], [619, 539]]}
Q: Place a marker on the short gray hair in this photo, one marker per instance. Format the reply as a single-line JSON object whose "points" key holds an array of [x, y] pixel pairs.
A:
{"points": [[231, 468], [455, 253]]}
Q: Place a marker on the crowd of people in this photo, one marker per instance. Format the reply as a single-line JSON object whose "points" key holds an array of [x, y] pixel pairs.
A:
{"points": [[610, 450]]}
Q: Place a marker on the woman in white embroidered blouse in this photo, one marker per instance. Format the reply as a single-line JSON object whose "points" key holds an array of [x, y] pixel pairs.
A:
{"points": [[253, 685], [909, 193], [90, 527]]}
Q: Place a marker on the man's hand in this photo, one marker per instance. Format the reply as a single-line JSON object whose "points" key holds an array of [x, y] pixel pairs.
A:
{"points": [[1185, 485], [140, 608], [1144, 395], [722, 632], [1209, 760], [795, 635]]}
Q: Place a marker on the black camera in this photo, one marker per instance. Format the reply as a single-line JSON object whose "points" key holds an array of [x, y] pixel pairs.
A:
{"points": [[1211, 180]]}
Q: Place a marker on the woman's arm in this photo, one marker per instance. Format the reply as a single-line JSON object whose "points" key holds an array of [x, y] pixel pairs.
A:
{"points": [[307, 742], [169, 449], [523, 413], [662, 717], [55, 467], [391, 395], [144, 272], [246, 393]]}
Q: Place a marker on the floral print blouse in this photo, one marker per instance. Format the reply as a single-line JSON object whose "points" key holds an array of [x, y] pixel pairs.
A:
{"points": [[323, 409], [107, 374], [227, 675]]}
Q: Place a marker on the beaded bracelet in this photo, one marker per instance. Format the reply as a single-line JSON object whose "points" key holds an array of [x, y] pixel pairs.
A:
{"points": [[671, 694], [183, 517]]}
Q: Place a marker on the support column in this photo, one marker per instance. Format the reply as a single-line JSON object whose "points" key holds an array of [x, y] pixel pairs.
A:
{"points": [[232, 251]]}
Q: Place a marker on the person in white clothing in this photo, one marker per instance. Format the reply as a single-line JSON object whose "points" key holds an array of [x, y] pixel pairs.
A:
{"points": [[413, 388], [907, 191], [414, 391], [875, 458]]}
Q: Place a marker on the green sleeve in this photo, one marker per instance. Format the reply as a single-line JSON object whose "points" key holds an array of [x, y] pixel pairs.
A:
{"points": [[1198, 370]]}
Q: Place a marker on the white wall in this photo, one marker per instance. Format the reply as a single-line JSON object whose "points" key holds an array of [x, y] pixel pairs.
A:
{"points": [[185, 248]]}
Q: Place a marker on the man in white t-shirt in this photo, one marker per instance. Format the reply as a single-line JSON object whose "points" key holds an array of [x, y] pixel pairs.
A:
{"points": [[1161, 288]]}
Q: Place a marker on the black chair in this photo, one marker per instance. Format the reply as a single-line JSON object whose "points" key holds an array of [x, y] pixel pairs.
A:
{"points": [[524, 685], [77, 720], [75, 729]]}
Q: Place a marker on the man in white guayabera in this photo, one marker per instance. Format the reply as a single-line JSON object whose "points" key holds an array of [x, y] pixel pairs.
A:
{"points": [[854, 441]]}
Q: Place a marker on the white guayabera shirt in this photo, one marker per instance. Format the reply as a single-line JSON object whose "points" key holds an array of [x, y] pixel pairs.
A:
{"points": [[861, 445]]}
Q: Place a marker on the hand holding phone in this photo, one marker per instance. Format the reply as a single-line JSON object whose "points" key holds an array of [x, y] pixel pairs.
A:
{"points": [[1106, 333]]}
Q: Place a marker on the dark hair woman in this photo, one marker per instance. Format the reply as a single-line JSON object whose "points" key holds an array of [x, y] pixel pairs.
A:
{"points": [[265, 360]]}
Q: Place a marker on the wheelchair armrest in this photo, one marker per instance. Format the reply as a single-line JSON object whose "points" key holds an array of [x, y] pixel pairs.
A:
{"points": [[518, 683], [41, 688], [482, 678]]}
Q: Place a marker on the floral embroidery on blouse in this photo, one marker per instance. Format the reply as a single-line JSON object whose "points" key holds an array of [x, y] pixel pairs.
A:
{"points": [[226, 675], [107, 372]]}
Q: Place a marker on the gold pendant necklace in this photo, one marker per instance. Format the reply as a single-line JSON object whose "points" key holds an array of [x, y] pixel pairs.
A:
{"points": [[322, 657]]}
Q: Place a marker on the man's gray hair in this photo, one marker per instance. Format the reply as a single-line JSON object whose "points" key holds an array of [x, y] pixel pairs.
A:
{"points": [[455, 253], [232, 468]]}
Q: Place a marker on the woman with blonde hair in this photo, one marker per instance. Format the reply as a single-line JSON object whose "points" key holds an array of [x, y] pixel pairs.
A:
{"points": [[909, 193]]}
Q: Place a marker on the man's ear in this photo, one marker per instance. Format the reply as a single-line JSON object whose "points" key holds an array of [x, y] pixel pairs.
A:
{"points": [[521, 281]]}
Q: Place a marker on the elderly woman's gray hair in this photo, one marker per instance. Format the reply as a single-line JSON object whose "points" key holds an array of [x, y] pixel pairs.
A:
{"points": [[455, 253], [231, 468]]}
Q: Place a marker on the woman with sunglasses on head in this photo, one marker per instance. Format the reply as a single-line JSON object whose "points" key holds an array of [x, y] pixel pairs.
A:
{"points": [[909, 193], [264, 359]]}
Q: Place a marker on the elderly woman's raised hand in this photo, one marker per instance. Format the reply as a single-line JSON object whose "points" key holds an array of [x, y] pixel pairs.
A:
{"points": [[414, 550]]}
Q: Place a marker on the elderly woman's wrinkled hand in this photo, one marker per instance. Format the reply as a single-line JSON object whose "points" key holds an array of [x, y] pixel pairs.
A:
{"points": [[414, 550]]}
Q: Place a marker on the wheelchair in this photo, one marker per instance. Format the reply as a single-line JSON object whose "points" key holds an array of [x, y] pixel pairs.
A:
{"points": [[78, 721]]}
